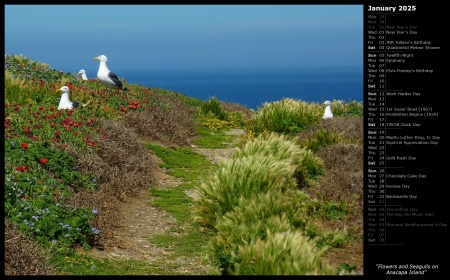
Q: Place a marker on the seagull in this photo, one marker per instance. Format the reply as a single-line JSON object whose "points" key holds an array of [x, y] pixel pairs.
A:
{"points": [[64, 102], [328, 114], [82, 74], [106, 77]]}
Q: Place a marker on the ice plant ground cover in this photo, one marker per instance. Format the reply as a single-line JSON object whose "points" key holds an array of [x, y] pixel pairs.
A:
{"points": [[54, 156], [39, 174]]}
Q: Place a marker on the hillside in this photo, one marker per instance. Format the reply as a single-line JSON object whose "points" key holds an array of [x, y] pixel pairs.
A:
{"points": [[135, 161]]}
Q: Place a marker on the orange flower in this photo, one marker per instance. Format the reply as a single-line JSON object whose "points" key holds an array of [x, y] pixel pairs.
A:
{"points": [[43, 160]]}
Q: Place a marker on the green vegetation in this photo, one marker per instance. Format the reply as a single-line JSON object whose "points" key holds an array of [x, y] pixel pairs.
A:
{"points": [[269, 209], [290, 116]]}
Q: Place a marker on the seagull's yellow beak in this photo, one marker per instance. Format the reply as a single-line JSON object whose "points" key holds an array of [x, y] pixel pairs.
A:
{"points": [[96, 58], [58, 90]]}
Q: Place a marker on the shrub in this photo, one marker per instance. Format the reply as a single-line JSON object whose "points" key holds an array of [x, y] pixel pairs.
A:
{"points": [[253, 217], [24, 256], [351, 108], [287, 116], [213, 105], [312, 168], [241, 177], [215, 116], [323, 138], [308, 167], [282, 253]]}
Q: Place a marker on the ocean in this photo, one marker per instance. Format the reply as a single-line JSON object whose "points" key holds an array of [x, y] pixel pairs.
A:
{"points": [[252, 87]]}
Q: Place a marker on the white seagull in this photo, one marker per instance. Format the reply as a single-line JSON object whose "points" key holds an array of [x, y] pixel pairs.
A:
{"points": [[106, 77], [328, 114], [64, 101], [82, 74]]}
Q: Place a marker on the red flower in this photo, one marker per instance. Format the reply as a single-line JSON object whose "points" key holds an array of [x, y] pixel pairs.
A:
{"points": [[24, 145], [26, 197], [43, 161], [90, 144], [22, 168], [56, 133]]}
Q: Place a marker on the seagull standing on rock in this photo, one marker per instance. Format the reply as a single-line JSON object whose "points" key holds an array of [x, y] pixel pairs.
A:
{"points": [[106, 77], [328, 114]]}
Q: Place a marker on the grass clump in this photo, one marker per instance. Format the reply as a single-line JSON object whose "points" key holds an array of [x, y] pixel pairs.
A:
{"points": [[290, 116], [323, 138], [282, 253], [308, 166], [287, 116], [214, 115], [240, 177], [252, 218]]}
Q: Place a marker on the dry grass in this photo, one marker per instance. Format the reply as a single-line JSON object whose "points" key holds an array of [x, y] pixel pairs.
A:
{"points": [[343, 183], [124, 168], [23, 256], [172, 123], [235, 107], [351, 128]]}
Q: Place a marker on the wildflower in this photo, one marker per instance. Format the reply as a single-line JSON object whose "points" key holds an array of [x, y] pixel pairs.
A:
{"points": [[24, 145], [90, 144], [43, 160], [95, 231], [95, 212], [67, 235], [22, 168]]}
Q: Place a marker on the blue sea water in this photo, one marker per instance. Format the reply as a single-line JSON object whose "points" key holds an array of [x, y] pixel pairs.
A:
{"points": [[252, 87]]}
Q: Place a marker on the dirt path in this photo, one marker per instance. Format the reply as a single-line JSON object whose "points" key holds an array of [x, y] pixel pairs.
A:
{"points": [[138, 222]]}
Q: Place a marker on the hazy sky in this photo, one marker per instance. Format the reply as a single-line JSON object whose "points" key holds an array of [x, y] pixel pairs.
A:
{"points": [[68, 37]]}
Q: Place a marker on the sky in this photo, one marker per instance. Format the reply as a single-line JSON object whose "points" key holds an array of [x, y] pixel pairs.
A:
{"points": [[134, 37]]}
